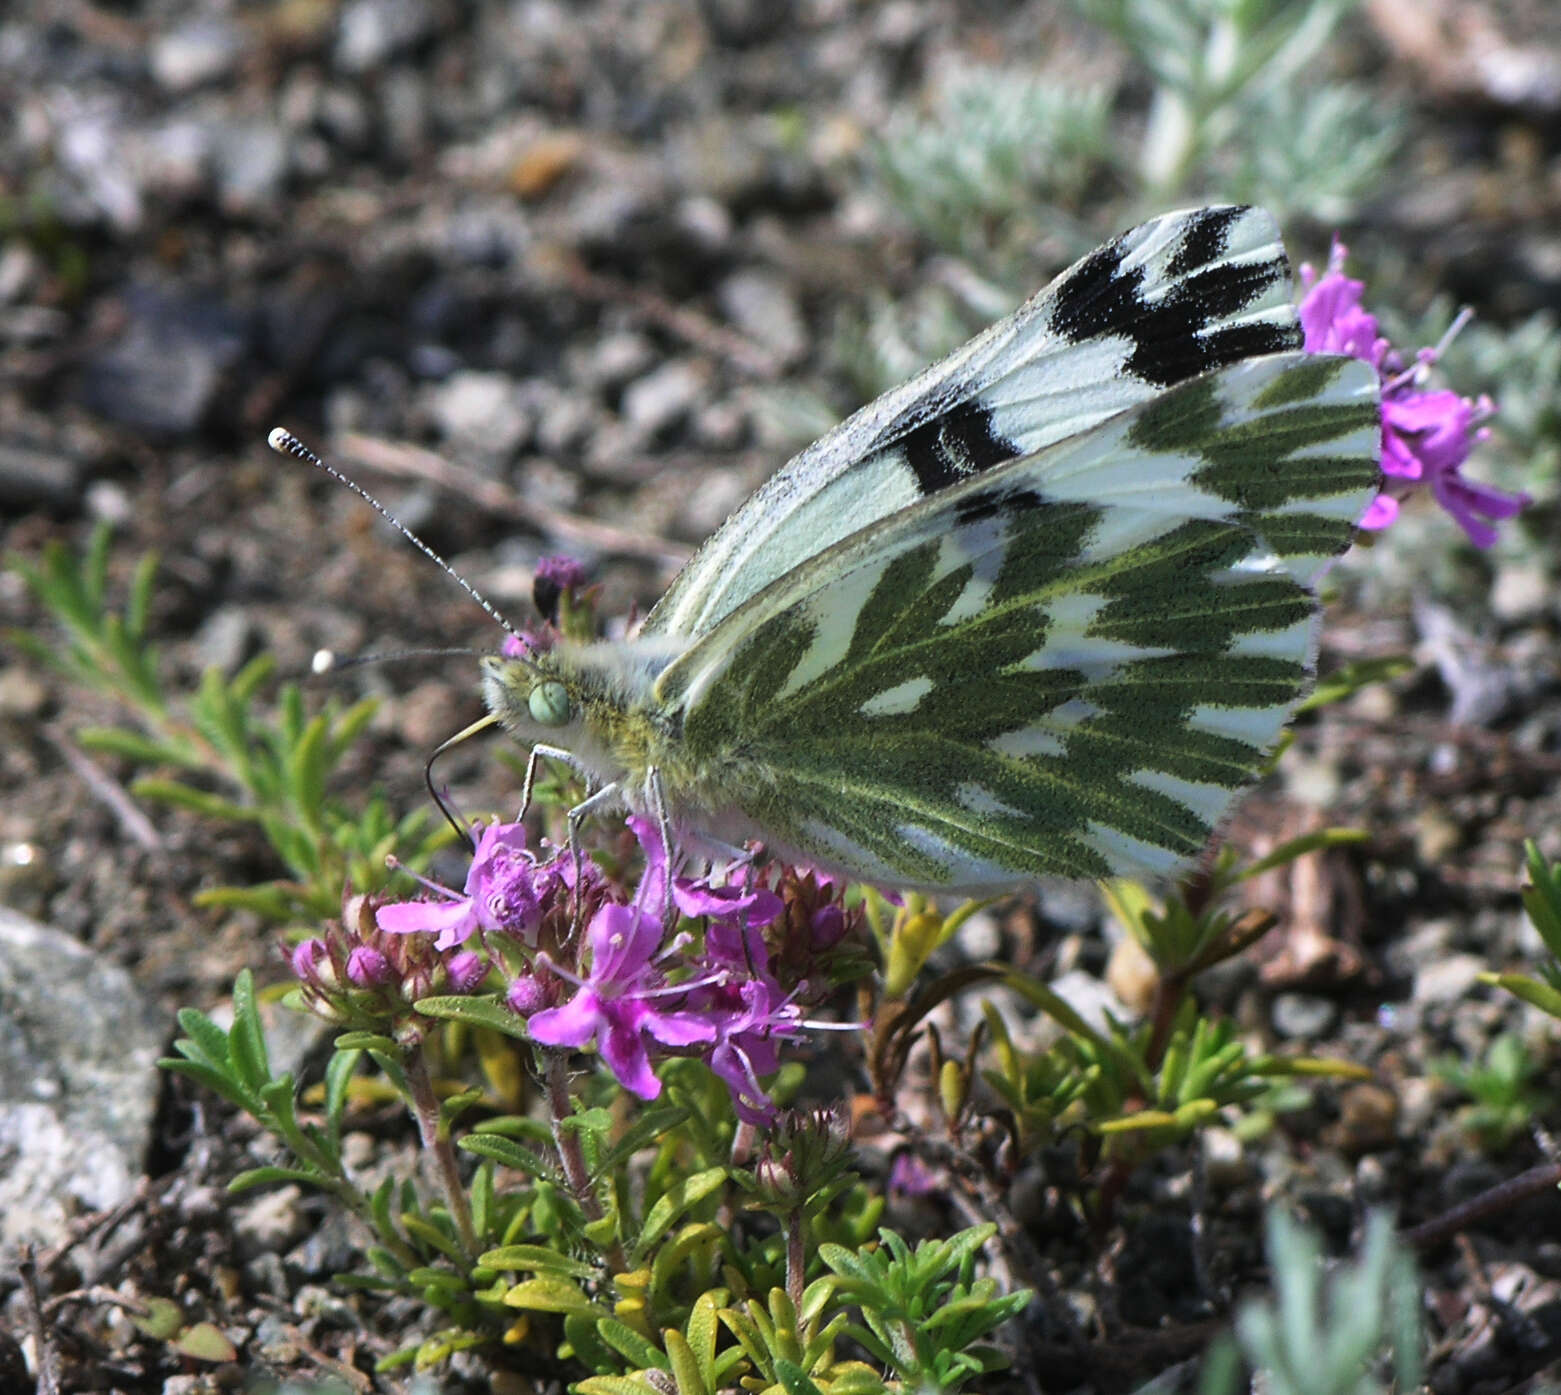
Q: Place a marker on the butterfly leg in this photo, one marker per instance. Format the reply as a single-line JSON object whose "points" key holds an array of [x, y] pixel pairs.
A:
{"points": [[597, 799], [656, 797], [593, 800], [539, 753]]}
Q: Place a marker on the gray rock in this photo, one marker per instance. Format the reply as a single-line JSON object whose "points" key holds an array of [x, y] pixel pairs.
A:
{"points": [[250, 160], [269, 1221], [372, 31], [613, 361], [196, 53], [762, 306], [565, 420], [174, 160], [26, 871], [166, 370], [224, 638], [97, 181], [481, 414], [1447, 979], [32, 478], [1521, 592], [662, 398], [1091, 998], [1224, 1155], [22, 273], [78, 1080], [1303, 1015]]}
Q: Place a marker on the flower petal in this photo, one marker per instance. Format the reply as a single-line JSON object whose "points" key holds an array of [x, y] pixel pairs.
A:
{"points": [[572, 1024]]}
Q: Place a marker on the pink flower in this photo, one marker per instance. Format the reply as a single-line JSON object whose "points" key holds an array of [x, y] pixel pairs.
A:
{"points": [[617, 1003], [506, 891], [1426, 436]]}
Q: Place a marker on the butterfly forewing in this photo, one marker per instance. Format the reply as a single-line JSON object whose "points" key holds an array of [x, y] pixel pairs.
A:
{"points": [[1068, 664], [1173, 298]]}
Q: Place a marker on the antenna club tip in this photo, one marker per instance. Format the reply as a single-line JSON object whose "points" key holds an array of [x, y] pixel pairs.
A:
{"points": [[279, 438]]}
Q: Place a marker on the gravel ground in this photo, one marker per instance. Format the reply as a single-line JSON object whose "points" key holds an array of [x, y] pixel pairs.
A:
{"points": [[564, 277]]}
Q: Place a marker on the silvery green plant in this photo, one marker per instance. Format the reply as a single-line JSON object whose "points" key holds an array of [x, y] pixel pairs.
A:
{"points": [[1215, 65], [1351, 1329]]}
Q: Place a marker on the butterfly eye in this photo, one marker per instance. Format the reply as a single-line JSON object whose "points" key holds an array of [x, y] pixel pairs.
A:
{"points": [[549, 704]]}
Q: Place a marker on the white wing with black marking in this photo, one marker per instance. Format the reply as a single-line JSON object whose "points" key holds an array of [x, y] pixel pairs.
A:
{"points": [[1175, 297]]}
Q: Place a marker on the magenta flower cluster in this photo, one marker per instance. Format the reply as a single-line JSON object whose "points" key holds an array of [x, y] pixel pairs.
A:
{"points": [[1426, 435], [634, 984]]}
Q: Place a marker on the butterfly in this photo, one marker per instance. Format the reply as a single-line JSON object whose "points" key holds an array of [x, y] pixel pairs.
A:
{"points": [[1043, 610]]}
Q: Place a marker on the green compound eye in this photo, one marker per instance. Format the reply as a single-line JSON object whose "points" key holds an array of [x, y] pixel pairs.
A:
{"points": [[549, 704]]}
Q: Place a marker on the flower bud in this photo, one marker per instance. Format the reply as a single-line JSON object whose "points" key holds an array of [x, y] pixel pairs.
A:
{"points": [[368, 968], [466, 970], [525, 996], [307, 959]]}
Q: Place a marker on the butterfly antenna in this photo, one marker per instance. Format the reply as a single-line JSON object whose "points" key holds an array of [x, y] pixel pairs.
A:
{"points": [[285, 443], [327, 661]]}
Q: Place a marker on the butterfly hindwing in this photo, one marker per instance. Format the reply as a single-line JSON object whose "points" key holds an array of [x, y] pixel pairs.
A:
{"points": [[1066, 665], [1178, 296]]}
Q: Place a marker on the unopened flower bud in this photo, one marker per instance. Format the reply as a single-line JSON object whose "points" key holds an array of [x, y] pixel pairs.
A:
{"points": [[466, 970], [525, 996], [368, 968], [307, 959]]}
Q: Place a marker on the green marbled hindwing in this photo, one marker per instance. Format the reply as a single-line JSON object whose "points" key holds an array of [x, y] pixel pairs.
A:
{"points": [[1069, 665]]}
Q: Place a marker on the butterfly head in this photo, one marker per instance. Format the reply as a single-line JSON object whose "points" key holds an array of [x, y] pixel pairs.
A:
{"points": [[529, 696]]}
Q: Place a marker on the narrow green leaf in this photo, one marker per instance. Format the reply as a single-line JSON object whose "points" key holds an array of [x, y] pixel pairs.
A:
{"points": [[613, 1385], [550, 1294], [486, 1011], [506, 1151], [420, 1228], [794, 1378], [264, 1176], [1288, 852], [307, 769], [674, 1203], [367, 1041], [629, 1344], [685, 1367], [133, 746], [247, 1038], [201, 802], [539, 1258]]}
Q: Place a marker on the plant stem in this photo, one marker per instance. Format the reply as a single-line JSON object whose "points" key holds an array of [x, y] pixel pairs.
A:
{"points": [[1492, 1202], [436, 1144], [571, 1156], [796, 1258]]}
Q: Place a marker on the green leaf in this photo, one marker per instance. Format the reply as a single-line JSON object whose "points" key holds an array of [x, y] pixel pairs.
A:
{"points": [[264, 1176], [205, 1341], [630, 1344], [1530, 990], [673, 1204], [1288, 852], [1349, 680], [247, 1038], [367, 1041], [613, 1385], [537, 1257], [794, 1378], [550, 1294], [486, 1011], [506, 1151], [133, 746], [199, 802], [685, 1366], [161, 1320]]}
